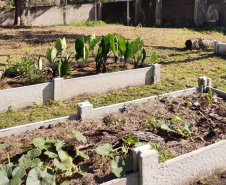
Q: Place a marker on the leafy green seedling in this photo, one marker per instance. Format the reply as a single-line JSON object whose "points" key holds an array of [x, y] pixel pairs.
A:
{"points": [[79, 136], [30, 159], [12, 175], [38, 177], [153, 58], [5, 146], [121, 166]]}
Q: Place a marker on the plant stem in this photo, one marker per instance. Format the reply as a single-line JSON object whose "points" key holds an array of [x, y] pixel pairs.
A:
{"points": [[8, 157]]}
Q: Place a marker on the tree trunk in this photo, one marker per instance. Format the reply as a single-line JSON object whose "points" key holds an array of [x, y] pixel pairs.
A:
{"points": [[198, 43], [20, 19]]}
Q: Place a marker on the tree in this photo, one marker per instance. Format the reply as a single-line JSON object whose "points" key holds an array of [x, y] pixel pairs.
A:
{"points": [[20, 18]]}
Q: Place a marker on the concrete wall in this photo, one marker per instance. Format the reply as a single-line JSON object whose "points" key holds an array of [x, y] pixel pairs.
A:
{"points": [[50, 15], [61, 89], [214, 7]]}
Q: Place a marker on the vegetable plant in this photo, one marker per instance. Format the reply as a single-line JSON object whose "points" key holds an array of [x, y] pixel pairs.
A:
{"points": [[184, 130], [57, 61], [121, 159], [135, 51], [47, 161]]}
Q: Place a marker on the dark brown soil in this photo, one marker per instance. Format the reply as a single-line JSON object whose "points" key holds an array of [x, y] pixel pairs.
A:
{"points": [[207, 119], [76, 70]]}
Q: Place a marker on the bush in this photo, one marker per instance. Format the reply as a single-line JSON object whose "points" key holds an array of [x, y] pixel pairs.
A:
{"points": [[21, 67]]}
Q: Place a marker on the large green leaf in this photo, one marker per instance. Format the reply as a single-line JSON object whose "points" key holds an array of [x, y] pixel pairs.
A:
{"points": [[30, 160], [61, 45], [98, 55], [114, 44], [81, 51], [105, 150], [177, 119], [129, 51], [122, 45], [38, 177], [8, 145], [63, 67], [153, 58], [94, 42], [51, 54], [11, 175], [168, 125], [79, 136], [41, 142], [65, 164], [120, 166], [59, 145], [51, 154]]}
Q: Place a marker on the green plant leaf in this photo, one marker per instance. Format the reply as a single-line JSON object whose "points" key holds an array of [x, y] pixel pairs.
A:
{"points": [[12, 175], [25, 148], [94, 42], [143, 55], [80, 171], [65, 164], [81, 154], [64, 183], [39, 63], [79, 136], [30, 160], [38, 177], [167, 125], [63, 67], [118, 168], [105, 150], [60, 45], [153, 58], [81, 51], [177, 119], [50, 154], [59, 145], [42, 143], [129, 51], [188, 129], [131, 140], [8, 145], [122, 45]]}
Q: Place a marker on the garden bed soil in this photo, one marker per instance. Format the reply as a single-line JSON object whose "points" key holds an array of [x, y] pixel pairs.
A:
{"points": [[76, 70], [208, 120]]}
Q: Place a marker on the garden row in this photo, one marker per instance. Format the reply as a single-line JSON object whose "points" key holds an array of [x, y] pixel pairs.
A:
{"points": [[51, 160]]}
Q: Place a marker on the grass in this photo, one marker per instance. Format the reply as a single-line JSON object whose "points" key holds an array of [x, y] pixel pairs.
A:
{"points": [[180, 68]]}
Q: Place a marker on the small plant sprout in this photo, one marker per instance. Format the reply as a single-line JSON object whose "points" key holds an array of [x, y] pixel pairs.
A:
{"points": [[153, 58], [184, 130], [6, 146], [121, 159]]}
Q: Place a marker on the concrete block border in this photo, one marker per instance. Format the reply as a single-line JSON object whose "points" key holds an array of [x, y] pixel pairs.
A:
{"points": [[60, 89], [184, 169], [219, 48]]}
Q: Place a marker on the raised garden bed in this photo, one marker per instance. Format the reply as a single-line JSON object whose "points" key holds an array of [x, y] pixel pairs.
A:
{"points": [[204, 113]]}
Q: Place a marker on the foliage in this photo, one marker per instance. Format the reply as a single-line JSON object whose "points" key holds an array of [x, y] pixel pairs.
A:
{"points": [[135, 51], [121, 161], [163, 152], [21, 67], [88, 23], [153, 58], [60, 67], [184, 130], [56, 152]]}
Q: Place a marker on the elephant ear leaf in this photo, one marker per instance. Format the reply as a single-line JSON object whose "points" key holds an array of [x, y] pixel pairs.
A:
{"points": [[38, 177], [11, 175]]}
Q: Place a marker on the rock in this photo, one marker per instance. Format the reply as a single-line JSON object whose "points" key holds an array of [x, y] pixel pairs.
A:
{"points": [[147, 136]]}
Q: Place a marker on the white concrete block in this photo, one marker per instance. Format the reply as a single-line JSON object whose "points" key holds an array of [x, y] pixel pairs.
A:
{"points": [[148, 167], [85, 110], [222, 48], [136, 155], [156, 73], [190, 167], [58, 89]]}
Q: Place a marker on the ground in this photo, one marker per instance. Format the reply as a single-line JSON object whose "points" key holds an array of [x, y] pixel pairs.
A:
{"points": [[207, 120]]}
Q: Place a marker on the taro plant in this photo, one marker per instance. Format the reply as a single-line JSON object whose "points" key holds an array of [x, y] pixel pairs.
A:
{"points": [[184, 130], [121, 157], [107, 45], [47, 161], [135, 51], [58, 63]]}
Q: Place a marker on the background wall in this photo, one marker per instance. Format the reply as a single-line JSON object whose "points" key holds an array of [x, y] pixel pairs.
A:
{"points": [[50, 15], [178, 12]]}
